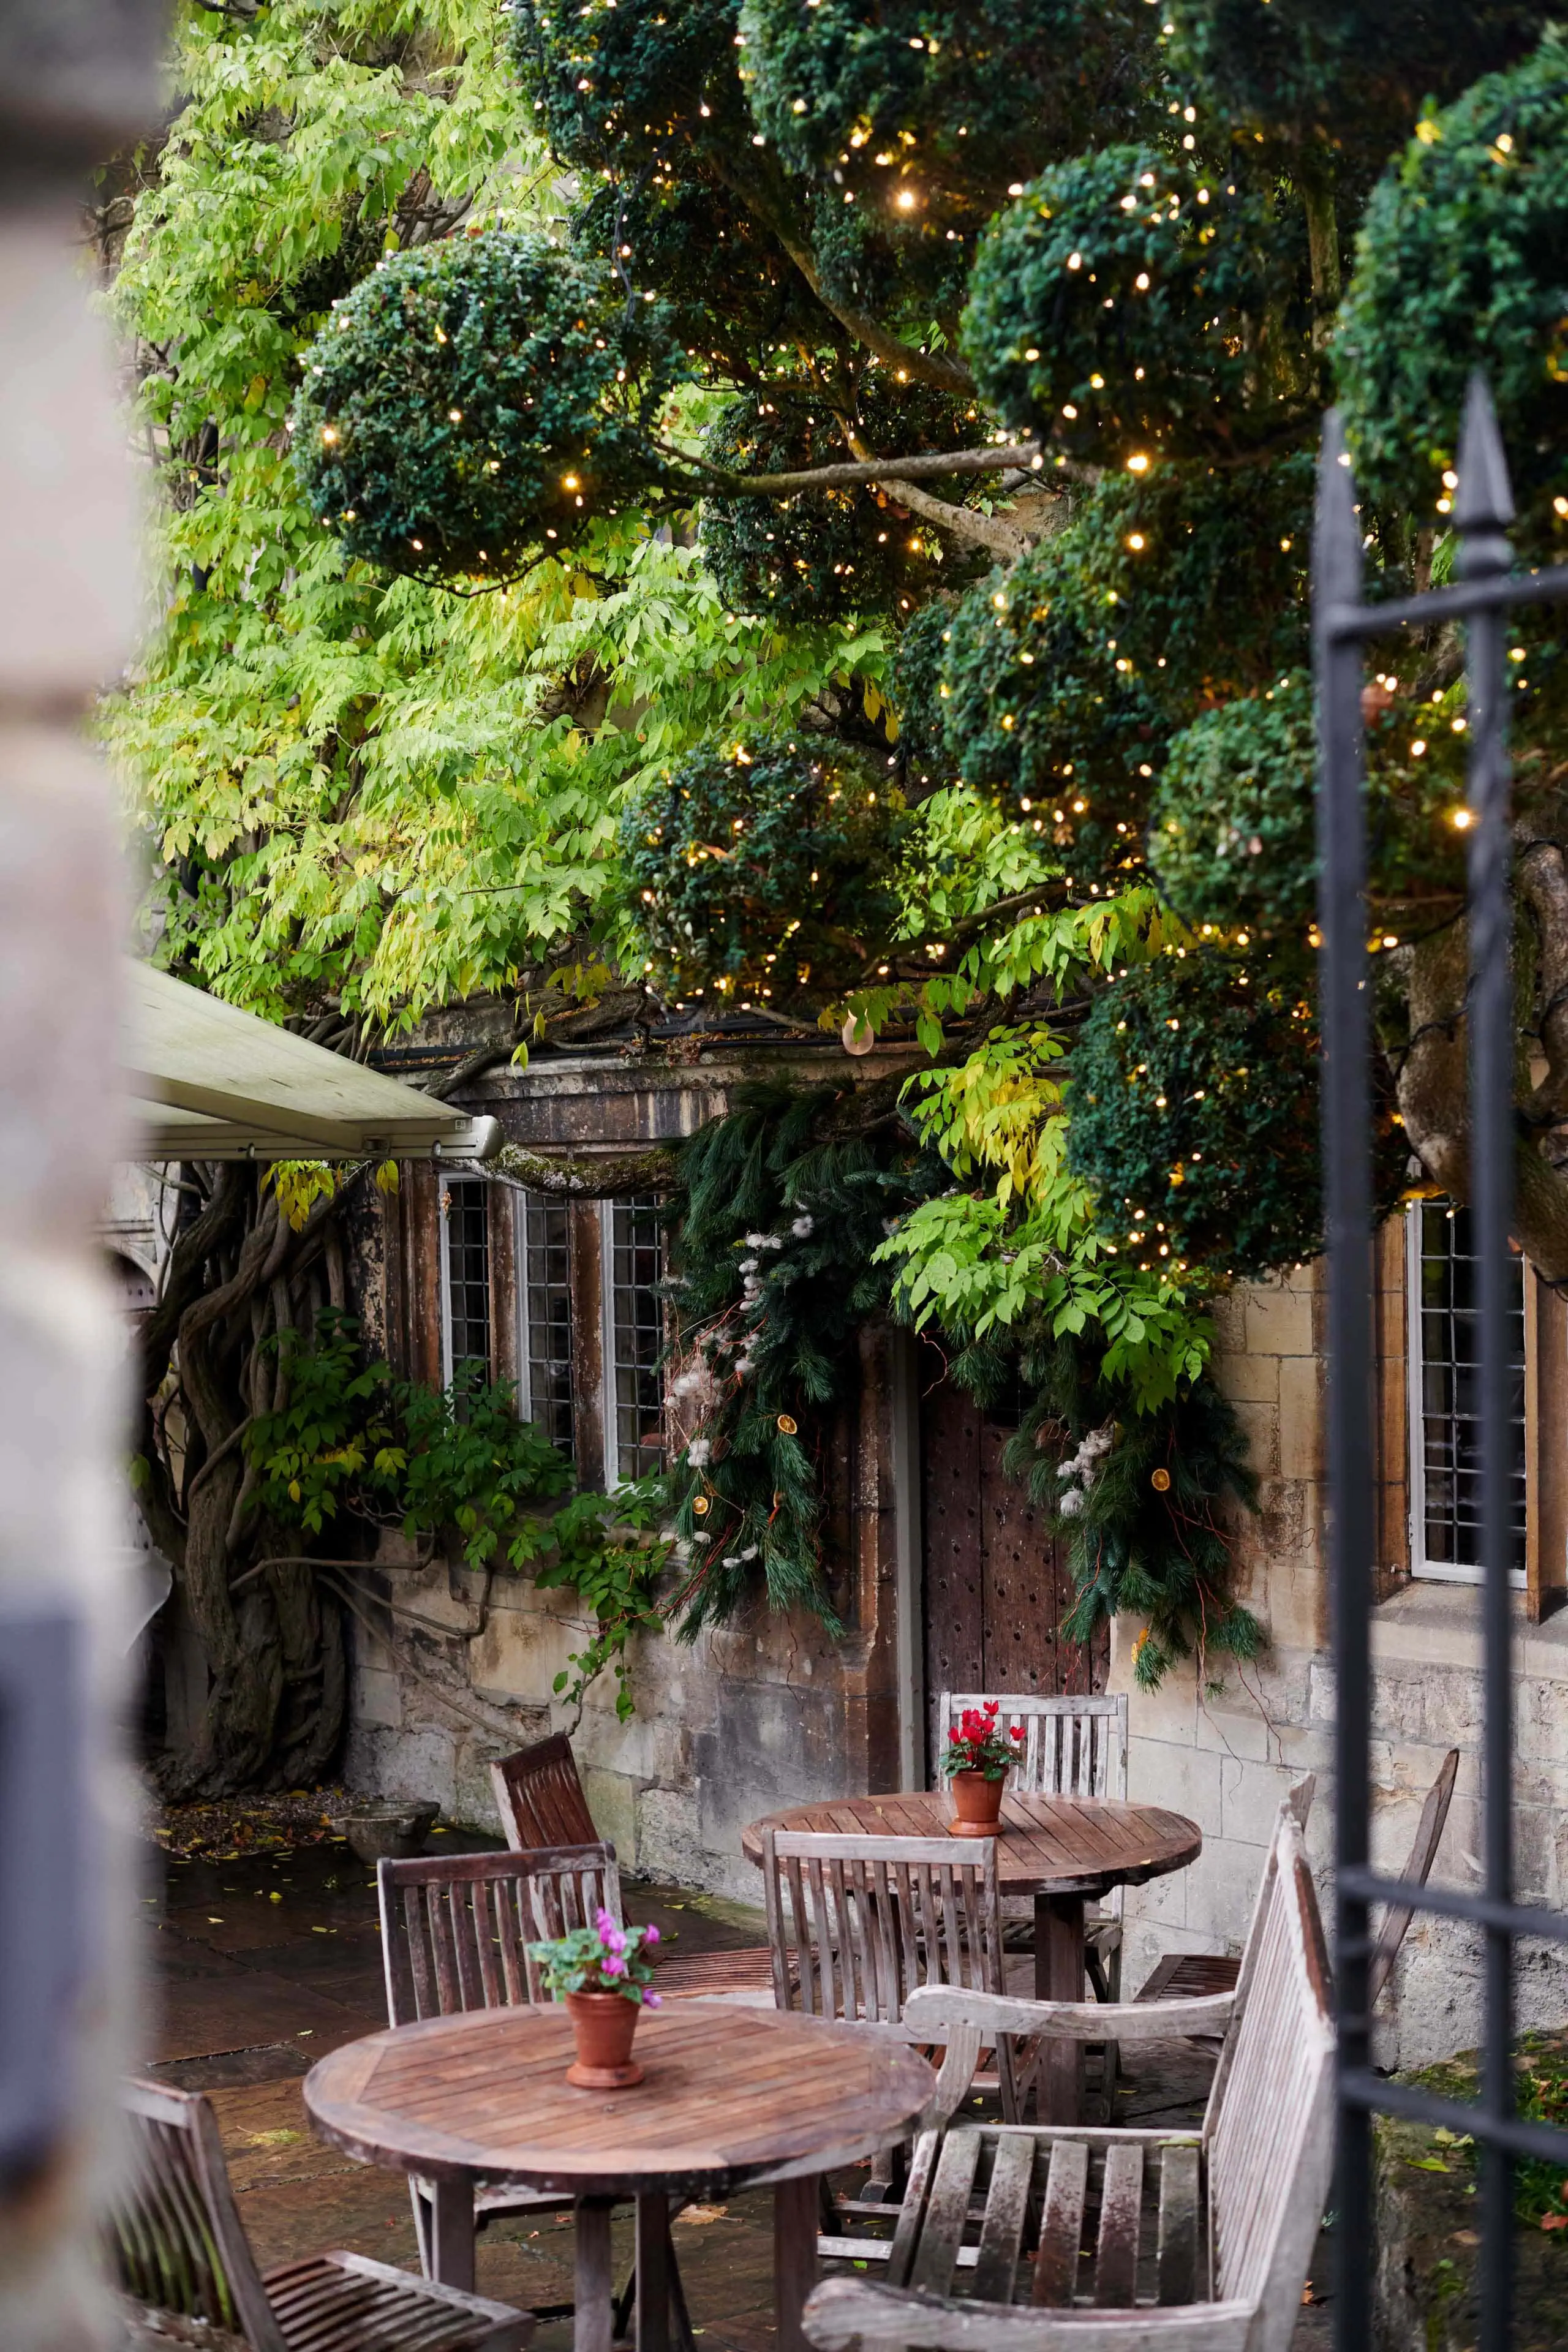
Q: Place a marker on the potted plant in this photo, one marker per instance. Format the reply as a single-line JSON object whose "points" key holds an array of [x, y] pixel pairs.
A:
{"points": [[603, 1974], [976, 1763]]}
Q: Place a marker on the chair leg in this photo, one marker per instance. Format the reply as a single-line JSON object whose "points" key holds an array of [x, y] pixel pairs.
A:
{"points": [[1094, 1968], [423, 2220]]}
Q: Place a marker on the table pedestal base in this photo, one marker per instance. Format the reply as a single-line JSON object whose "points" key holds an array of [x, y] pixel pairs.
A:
{"points": [[1059, 1976]]}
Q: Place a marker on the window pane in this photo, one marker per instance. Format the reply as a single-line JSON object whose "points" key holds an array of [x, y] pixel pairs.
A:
{"points": [[547, 1295], [1449, 1340], [467, 1274], [637, 1325]]}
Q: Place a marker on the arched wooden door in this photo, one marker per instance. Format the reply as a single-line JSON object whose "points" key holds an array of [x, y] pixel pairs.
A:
{"points": [[996, 1585]]}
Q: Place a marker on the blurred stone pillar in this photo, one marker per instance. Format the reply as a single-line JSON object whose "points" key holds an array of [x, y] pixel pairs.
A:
{"points": [[78, 79]]}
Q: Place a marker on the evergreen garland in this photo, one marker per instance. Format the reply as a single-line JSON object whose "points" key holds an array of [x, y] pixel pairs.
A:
{"points": [[1139, 1499], [475, 403], [826, 553], [765, 871], [775, 1227]]}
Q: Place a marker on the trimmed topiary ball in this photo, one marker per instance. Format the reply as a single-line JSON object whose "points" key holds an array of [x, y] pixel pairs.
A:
{"points": [[828, 552], [1193, 1113], [475, 403], [765, 873], [1231, 833], [1040, 703], [1464, 265], [1116, 307]]}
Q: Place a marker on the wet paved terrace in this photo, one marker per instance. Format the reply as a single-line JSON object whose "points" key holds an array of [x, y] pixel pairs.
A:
{"points": [[259, 1965]]}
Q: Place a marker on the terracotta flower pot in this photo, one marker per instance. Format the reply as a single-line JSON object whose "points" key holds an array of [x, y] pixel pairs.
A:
{"points": [[603, 2024], [976, 1804]]}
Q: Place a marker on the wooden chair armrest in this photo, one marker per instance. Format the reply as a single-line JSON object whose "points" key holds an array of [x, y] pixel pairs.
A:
{"points": [[935, 2010], [842, 2309]]}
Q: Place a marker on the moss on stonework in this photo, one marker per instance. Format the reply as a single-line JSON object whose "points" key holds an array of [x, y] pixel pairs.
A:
{"points": [[1429, 2227]]}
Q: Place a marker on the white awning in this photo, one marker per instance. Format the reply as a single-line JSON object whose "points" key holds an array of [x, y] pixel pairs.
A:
{"points": [[210, 1082]]}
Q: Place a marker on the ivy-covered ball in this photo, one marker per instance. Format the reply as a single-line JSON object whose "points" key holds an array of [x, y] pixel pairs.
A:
{"points": [[1231, 832], [1116, 307], [1040, 703], [475, 402], [1464, 265], [1193, 1113], [765, 872], [825, 553]]}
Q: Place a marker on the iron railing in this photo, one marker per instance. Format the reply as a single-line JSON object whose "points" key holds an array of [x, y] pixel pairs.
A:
{"points": [[1486, 588]]}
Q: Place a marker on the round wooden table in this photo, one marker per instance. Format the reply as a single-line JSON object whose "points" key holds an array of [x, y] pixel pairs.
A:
{"points": [[731, 2098], [1060, 1849]]}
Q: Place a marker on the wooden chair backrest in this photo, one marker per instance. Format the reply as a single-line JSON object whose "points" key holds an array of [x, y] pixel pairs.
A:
{"points": [[540, 1799], [1269, 2129], [455, 1931], [1073, 1746], [174, 2236], [1418, 1870], [858, 1923]]}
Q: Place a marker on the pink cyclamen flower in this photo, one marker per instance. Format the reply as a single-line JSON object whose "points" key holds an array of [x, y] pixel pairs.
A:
{"points": [[615, 1940], [611, 1967], [653, 2000], [650, 1935], [605, 1924]]}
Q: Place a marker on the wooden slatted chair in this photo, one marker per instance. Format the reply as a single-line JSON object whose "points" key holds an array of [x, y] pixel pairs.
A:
{"points": [[1194, 1975], [540, 1797], [455, 1930], [176, 2243], [1201, 2237], [455, 1933], [1073, 1746], [1190, 1975]]}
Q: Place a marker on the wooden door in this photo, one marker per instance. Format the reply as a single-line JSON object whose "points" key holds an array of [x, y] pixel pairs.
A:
{"points": [[996, 1585]]}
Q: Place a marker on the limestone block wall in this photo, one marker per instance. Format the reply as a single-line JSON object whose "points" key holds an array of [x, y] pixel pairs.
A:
{"points": [[1224, 1745]]}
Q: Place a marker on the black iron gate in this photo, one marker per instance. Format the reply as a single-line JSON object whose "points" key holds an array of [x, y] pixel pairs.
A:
{"points": [[1482, 597]]}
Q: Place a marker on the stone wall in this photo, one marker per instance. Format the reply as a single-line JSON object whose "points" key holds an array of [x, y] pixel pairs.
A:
{"points": [[1224, 1744]]}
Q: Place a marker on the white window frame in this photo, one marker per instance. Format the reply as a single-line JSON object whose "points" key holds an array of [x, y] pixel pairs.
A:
{"points": [[526, 1401], [1435, 1571], [609, 1420], [444, 1259]]}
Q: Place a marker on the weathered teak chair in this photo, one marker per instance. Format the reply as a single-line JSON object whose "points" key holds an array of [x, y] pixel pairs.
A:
{"points": [[1190, 1975], [541, 1797], [176, 2241], [1073, 1746], [454, 1935], [855, 1925], [541, 1805], [1203, 2237], [455, 1932]]}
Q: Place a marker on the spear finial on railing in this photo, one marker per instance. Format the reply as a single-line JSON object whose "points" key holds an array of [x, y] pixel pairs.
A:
{"points": [[1483, 503]]}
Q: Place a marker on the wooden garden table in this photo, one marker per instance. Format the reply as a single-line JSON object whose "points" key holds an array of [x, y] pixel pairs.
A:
{"points": [[731, 2098], [1061, 1850]]}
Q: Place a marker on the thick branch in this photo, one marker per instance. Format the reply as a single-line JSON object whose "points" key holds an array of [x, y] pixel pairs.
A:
{"points": [[1541, 874], [618, 1179], [925, 367], [865, 469]]}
